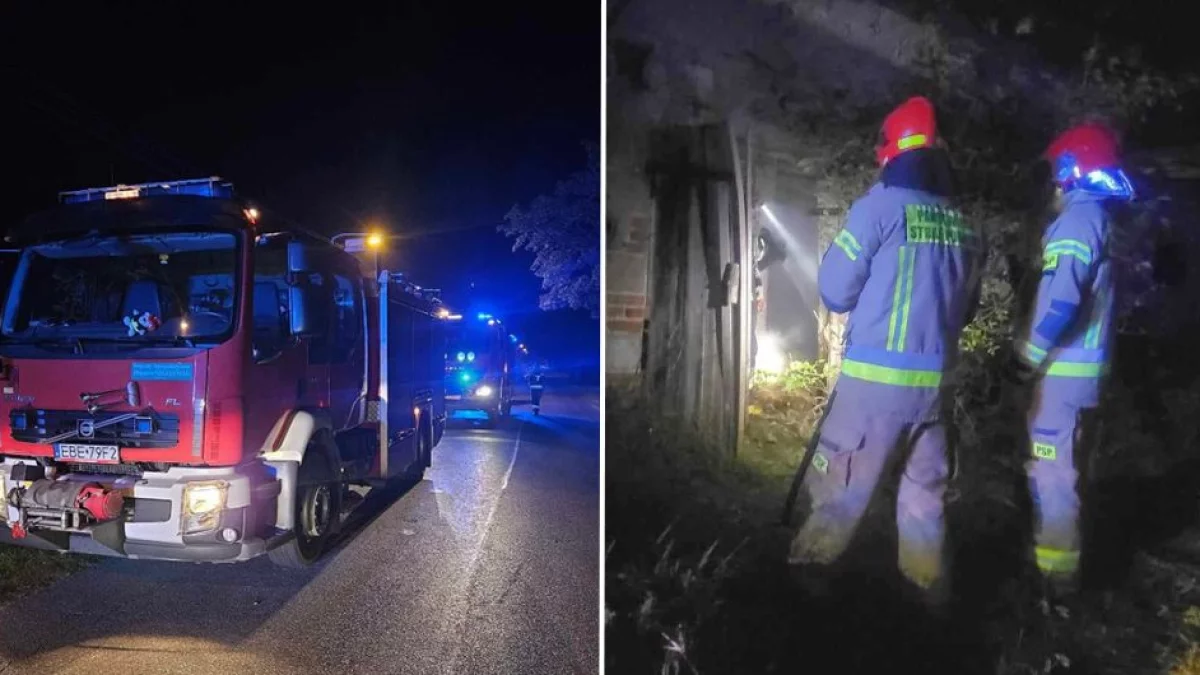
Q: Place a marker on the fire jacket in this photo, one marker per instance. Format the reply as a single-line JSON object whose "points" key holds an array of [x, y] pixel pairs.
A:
{"points": [[1069, 333], [906, 267]]}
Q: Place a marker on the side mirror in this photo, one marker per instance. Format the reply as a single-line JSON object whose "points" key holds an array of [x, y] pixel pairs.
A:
{"points": [[299, 258], [308, 314]]}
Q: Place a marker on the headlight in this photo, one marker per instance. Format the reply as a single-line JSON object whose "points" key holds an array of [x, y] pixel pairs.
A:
{"points": [[202, 505], [484, 391]]}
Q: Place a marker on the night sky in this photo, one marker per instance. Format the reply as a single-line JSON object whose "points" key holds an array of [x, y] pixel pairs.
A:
{"points": [[432, 121]]}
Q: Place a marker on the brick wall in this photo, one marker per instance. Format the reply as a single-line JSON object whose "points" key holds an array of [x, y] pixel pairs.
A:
{"points": [[627, 256]]}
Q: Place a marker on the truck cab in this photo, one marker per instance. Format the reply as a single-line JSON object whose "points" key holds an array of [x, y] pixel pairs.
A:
{"points": [[182, 380], [479, 364]]}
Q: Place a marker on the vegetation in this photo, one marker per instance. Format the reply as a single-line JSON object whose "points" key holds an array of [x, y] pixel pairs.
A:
{"points": [[697, 581], [22, 570], [563, 232]]}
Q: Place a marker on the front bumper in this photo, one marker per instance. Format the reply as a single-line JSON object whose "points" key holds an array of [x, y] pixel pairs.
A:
{"points": [[152, 530]]}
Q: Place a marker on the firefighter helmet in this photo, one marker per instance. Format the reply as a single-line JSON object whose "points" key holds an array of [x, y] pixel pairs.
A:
{"points": [[1087, 157], [910, 126]]}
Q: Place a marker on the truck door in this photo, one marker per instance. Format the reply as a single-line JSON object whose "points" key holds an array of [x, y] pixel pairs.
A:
{"points": [[347, 354]]}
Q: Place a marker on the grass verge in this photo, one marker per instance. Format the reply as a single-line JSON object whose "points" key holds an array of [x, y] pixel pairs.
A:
{"points": [[22, 569]]}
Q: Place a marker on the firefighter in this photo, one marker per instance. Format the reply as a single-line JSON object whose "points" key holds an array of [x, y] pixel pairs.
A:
{"points": [[1065, 347], [905, 267], [537, 385]]}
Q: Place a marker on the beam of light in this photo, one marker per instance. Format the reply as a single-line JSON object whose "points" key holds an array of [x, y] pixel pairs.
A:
{"points": [[770, 357], [800, 263]]}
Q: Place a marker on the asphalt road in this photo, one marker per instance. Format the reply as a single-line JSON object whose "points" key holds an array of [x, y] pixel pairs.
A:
{"points": [[489, 565]]}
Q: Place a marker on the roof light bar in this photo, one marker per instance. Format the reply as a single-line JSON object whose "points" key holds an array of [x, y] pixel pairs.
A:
{"points": [[213, 187]]}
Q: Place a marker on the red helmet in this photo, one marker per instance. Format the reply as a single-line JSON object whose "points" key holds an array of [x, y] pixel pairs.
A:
{"points": [[910, 126], [1087, 156]]}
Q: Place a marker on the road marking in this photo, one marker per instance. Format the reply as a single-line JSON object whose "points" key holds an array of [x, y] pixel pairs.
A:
{"points": [[511, 464], [460, 618]]}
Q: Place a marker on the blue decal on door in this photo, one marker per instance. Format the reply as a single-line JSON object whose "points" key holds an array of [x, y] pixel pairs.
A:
{"points": [[161, 371]]}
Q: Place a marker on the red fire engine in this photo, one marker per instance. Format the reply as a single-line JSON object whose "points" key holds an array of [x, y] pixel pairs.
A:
{"points": [[183, 381]]}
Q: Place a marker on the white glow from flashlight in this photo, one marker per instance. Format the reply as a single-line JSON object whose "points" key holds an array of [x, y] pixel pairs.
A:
{"points": [[770, 357]]}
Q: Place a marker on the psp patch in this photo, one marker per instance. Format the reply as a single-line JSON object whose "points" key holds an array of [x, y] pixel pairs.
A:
{"points": [[1045, 451]]}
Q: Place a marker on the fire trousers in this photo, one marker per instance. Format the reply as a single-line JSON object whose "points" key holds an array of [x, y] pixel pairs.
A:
{"points": [[1056, 435], [858, 441]]}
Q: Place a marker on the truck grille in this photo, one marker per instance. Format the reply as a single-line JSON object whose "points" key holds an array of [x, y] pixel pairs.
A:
{"points": [[148, 430]]}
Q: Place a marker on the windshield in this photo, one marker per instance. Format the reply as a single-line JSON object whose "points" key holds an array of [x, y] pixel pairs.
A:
{"points": [[473, 341], [130, 287]]}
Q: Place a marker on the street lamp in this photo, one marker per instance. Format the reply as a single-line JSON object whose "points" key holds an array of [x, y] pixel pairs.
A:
{"points": [[357, 242]]}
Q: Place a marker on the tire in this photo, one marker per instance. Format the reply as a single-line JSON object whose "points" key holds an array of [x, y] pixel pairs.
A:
{"points": [[416, 471], [317, 511], [428, 436]]}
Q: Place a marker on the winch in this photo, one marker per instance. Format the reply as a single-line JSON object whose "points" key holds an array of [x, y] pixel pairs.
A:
{"points": [[62, 505]]}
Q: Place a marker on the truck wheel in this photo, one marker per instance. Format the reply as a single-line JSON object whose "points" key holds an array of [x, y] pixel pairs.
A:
{"points": [[416, 472], [317, 512], [428, 436]]}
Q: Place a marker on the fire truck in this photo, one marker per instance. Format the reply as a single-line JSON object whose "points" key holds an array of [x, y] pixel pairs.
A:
{"points": [[479, 361], [185, 380]]}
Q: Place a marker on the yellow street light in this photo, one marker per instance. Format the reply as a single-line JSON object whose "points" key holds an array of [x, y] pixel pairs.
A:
{"points": [[374, 240]]}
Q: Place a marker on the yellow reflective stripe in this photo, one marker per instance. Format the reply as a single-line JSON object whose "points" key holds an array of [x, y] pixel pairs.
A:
{"points": [[1075, 369], [908, 292], [1033, 353], [848, 244], [1068, 247], [900, 377], [897, 298], [1092, 339], [914, 141], [1057, 561]]}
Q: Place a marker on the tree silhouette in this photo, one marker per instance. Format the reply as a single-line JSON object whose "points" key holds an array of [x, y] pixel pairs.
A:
{"points": [[562, 230]]}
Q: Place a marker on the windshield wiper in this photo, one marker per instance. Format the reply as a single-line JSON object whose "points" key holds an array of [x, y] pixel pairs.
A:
{"points": [[176, 340], [73, 342]]}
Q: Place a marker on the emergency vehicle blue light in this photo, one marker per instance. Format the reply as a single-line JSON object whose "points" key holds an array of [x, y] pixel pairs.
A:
{"points": [[484, 317], [470, 356], [513, 339], [461, 357], [465, 377], [204, 187]]}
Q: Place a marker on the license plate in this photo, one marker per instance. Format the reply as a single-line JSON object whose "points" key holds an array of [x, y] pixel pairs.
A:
{"points": [[92, 454], [453, 397]]}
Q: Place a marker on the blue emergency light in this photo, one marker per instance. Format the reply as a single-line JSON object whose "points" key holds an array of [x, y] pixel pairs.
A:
{"points": [[214, 188]]}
